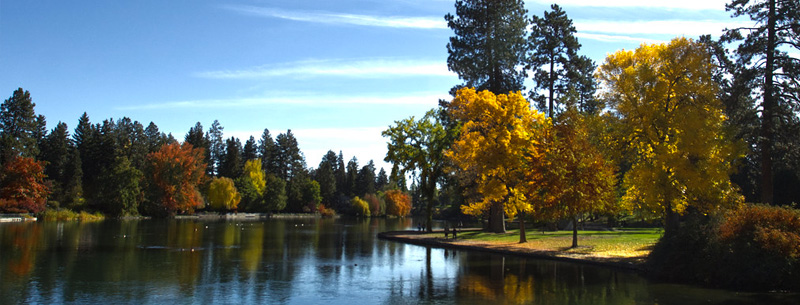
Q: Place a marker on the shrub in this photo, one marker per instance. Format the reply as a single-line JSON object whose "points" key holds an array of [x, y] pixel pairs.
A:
{"points": [[398, 203], [359, 206], [325, 211], [753, 247], [376, 206]]}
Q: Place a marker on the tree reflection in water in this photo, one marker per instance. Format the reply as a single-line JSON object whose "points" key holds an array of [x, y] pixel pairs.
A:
{"points": [[297, 261]]}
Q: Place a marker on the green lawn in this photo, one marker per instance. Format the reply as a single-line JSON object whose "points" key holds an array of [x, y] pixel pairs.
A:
{"points": [[618, 243]]}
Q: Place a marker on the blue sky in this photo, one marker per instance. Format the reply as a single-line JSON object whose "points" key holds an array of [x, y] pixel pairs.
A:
{"points": [[335, 72]]}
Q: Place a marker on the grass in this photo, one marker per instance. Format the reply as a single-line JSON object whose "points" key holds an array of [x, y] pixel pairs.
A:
{"points": [[622, 243], [67, 214]]}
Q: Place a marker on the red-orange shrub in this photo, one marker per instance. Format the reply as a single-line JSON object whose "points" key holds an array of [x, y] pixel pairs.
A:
{"points": [[773, 229], [397, 203], [22, 187]]}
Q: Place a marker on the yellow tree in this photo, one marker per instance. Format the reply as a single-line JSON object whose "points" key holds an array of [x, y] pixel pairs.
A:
{"points": [[575, 176], [222, 194], [672, 121], [500, 137]]}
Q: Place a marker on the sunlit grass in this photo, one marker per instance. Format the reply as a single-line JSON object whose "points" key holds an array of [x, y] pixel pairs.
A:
{"points": [[67, 214], [621, 243]]}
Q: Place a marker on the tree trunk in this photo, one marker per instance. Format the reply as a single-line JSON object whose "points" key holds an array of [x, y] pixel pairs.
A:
{"points": [[575, 231], [767, 113], [496, 222], [522, 237], [671, 221]]}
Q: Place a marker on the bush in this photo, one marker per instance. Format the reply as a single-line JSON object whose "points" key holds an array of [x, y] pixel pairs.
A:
{"points": [[376, 206], [398, 203], [360, 207], [753, 247], [325, 211]]}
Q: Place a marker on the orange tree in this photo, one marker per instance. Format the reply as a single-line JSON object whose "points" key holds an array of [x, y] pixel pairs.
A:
{"points": [[397, 203], [175, 171], [500, 138], [576, 178], [22, 187]]}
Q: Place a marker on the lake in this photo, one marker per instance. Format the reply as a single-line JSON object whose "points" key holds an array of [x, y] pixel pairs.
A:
{"points": [[299, 261]]}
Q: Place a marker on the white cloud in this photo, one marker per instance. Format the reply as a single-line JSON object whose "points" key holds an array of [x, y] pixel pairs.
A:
{"points": [[421, 98], [367, 68], [616, 38], [339, 18], [689, 28], [675, 4]]}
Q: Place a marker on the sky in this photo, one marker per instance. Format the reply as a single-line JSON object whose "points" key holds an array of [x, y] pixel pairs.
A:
{"points": [[336, 73]]}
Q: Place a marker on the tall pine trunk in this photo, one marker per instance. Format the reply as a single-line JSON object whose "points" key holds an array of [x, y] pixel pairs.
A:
{"points": [[768, 105]]}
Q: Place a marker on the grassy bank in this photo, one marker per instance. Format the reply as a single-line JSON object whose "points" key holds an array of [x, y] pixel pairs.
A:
{"points": [[626, 248], [67, 214]]}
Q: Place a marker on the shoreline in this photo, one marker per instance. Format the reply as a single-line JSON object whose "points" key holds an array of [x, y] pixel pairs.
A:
{"points": [[634, 264]]}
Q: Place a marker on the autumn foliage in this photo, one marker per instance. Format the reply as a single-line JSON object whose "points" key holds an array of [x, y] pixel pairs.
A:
{"points": [[176, 171], [500, 138], [222, 194], [22, 187], [397, 203]]}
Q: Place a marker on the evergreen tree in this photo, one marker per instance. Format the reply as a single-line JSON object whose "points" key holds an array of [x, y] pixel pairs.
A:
{"points": [[198, 139], [365, 182], [153, 138], [557, 67], [326, 177], [352, 178], [232, 162], [765, 63], [289, 160], [216, 145], [382, 180], [20, 128], [250, 150], [268, 151], [488, 48], [55, 151]]}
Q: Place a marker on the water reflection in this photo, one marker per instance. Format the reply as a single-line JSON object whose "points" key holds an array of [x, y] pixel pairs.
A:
{"points": [[296, 261]]}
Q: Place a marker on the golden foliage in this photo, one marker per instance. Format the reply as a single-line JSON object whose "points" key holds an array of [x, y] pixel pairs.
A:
{"points": [[500, 137], [222, 194], [672, 122]]}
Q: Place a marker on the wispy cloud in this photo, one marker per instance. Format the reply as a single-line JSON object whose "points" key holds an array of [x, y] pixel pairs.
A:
{"points": [[295, 99], [340, 18], [689, 28], [676, 4], [616, 38], [370, 68]]}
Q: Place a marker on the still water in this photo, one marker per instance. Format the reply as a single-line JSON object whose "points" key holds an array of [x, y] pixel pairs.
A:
{"points": [[298, 261]]}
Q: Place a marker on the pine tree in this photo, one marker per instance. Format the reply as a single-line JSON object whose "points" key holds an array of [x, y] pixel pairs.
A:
{"points": [[488, 48]]}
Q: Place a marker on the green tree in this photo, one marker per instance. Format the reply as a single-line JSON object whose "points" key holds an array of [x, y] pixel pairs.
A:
{"points": [[365, 182], [250, 149], [154, 139], [557, 67], [55, 151], [121, 191], [311, 196], [268, 151], [275, 194], [326, 177], [19, 127], [231, 163], [420, 145], [488, 48], [667, 104], [765, 62], [216, 146], [251, 185], [197, 138]]}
